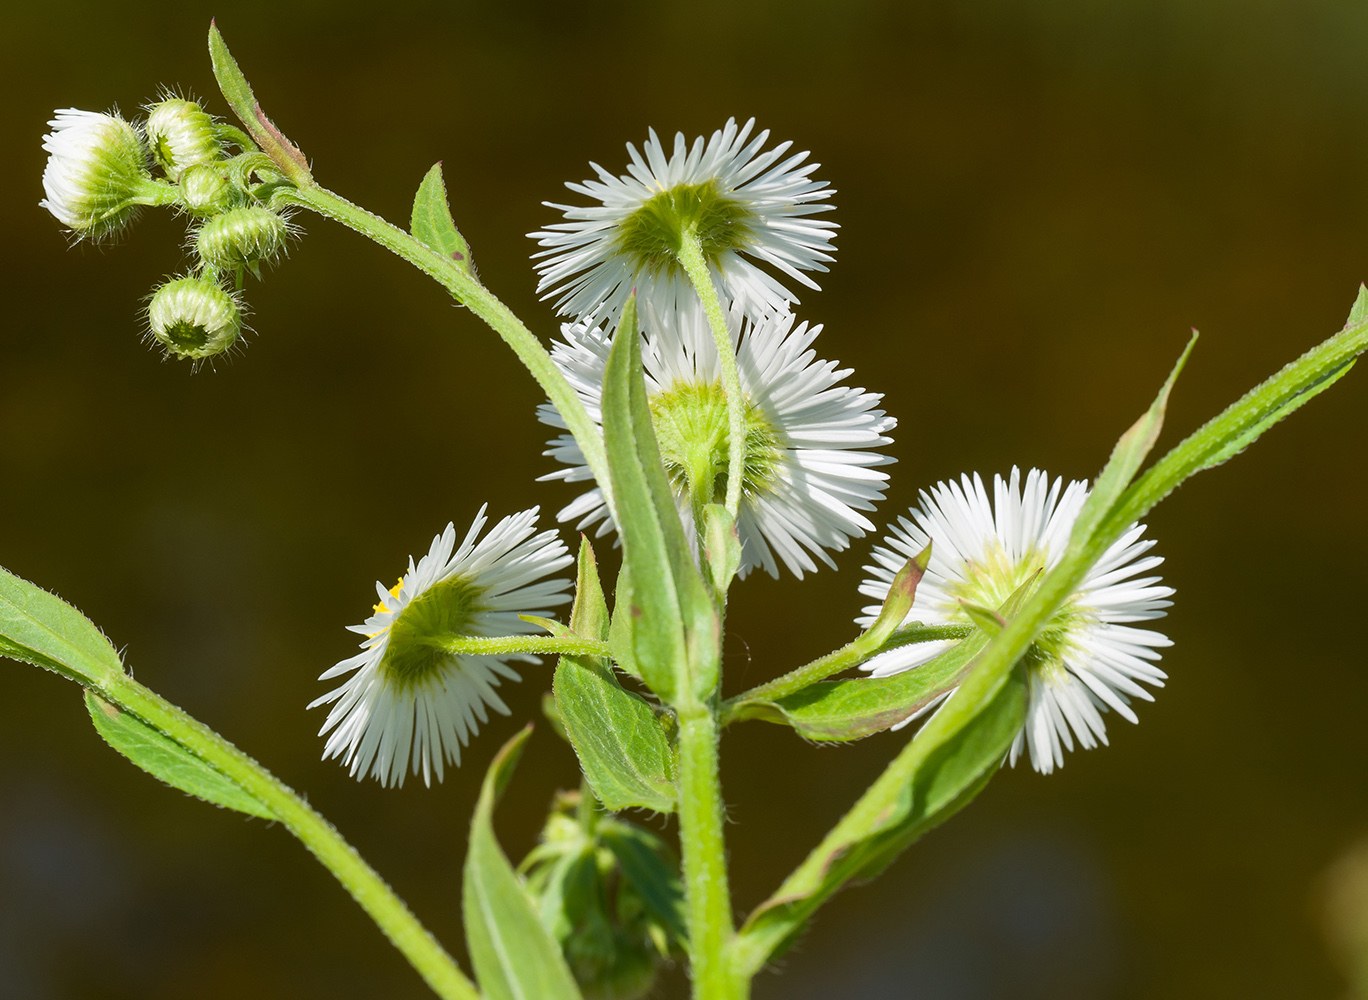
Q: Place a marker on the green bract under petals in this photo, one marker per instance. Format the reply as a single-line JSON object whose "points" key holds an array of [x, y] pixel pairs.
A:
{"points": [[651, 236], [450, 607], [691, 426], [194, 318], [96, 176], [181, 134]]}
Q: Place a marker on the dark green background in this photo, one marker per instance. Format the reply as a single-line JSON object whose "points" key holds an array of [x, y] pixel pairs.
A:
{"points": [[1038, 200]]}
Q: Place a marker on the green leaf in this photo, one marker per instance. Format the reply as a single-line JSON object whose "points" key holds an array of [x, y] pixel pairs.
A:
{"points": [[41, 628], [655, 877], [937, 774], [619, 742], [514, 956], [432, 222], [618, 739], [721, 545], [902, 592], [670, 625], [168, 761], [1127, 456], [238, 93], [851, 709]]}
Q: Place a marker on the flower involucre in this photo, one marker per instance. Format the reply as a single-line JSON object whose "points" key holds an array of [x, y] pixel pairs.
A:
{"points": [[1088, 659], [407, 696], [737, 201], [96, 175], [808, 473]]}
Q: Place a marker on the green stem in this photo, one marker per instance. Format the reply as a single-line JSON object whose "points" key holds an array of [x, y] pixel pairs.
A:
{"points": [[511, 645], [691, 257], [479, 300], [379, 901], [704, 857], [849, 655]]}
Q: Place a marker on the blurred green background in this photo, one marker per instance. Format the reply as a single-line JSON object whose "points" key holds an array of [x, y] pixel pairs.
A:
{"points": [[1038, 200]]}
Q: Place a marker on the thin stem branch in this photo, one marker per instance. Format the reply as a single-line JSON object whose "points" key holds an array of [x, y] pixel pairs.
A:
{"points": [[511, 645], [369, 890], [850, 655], [479, 300], [691, 257]]}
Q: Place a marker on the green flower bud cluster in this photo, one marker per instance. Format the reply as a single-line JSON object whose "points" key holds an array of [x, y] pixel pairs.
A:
{"points": [[609, 892], [102, 169]]}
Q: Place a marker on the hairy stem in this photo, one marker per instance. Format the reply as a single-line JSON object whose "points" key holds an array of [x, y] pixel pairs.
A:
{"points": [[369, 890], [704, 857], [511, 645], [479, 300], [691, 257]]}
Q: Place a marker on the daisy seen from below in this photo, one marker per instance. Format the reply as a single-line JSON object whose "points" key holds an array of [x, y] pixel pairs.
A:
{"points": [[735, 201], [809, 470], [96, 175], [408, 696], [1089, 659]]}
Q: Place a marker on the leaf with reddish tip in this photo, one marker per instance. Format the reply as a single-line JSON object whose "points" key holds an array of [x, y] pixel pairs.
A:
{"points": [[901, 593], [238, 93]]}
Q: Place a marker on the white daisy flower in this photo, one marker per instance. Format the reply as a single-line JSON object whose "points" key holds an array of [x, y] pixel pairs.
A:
{"points": [[96, 174], [736, 199], [1088, 660], [407, 696], [808, 471]]}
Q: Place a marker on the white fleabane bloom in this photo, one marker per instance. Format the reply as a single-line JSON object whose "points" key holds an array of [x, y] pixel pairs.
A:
{"points": [[1088, 659], [96, 174], [808, 470], [740, 203], [407, 697]]}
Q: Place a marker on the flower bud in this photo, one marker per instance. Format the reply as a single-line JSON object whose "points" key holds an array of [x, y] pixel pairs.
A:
{"points": [[241, 237], [96, 174], [181, 135], [194, 318], [205, 190]]}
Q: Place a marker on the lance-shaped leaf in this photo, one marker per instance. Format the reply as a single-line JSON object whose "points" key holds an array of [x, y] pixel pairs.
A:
{"points": [[721, 546], [238, 93], [41, 628], [670, 625], [514, 956], [165, 759], [937, 773], [432, 222], [620, 744]]}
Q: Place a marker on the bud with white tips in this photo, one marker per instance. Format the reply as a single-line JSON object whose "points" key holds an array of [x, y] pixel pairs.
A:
{"points": [[181, 134], [241, 237], [206, 190], [194, 318], [96, 174]]}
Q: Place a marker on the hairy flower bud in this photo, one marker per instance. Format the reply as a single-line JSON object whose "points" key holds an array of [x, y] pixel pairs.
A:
{"points": [[241, 237], [205, 190], [194, 318], [181, 135], [96, 174]]}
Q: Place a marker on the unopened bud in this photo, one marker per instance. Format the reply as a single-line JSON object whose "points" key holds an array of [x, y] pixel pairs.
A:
{"points": [[205, 189], [96, 174], [241, 237], [194, 318], [181, 135]]}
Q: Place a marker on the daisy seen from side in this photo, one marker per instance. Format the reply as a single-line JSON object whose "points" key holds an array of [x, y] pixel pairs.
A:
{"points": [[1090, 659]]}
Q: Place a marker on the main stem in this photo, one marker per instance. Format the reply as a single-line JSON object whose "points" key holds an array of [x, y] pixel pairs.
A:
{"points": [[691, 256], [479, 300], [379, 901], [704, 857]]}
